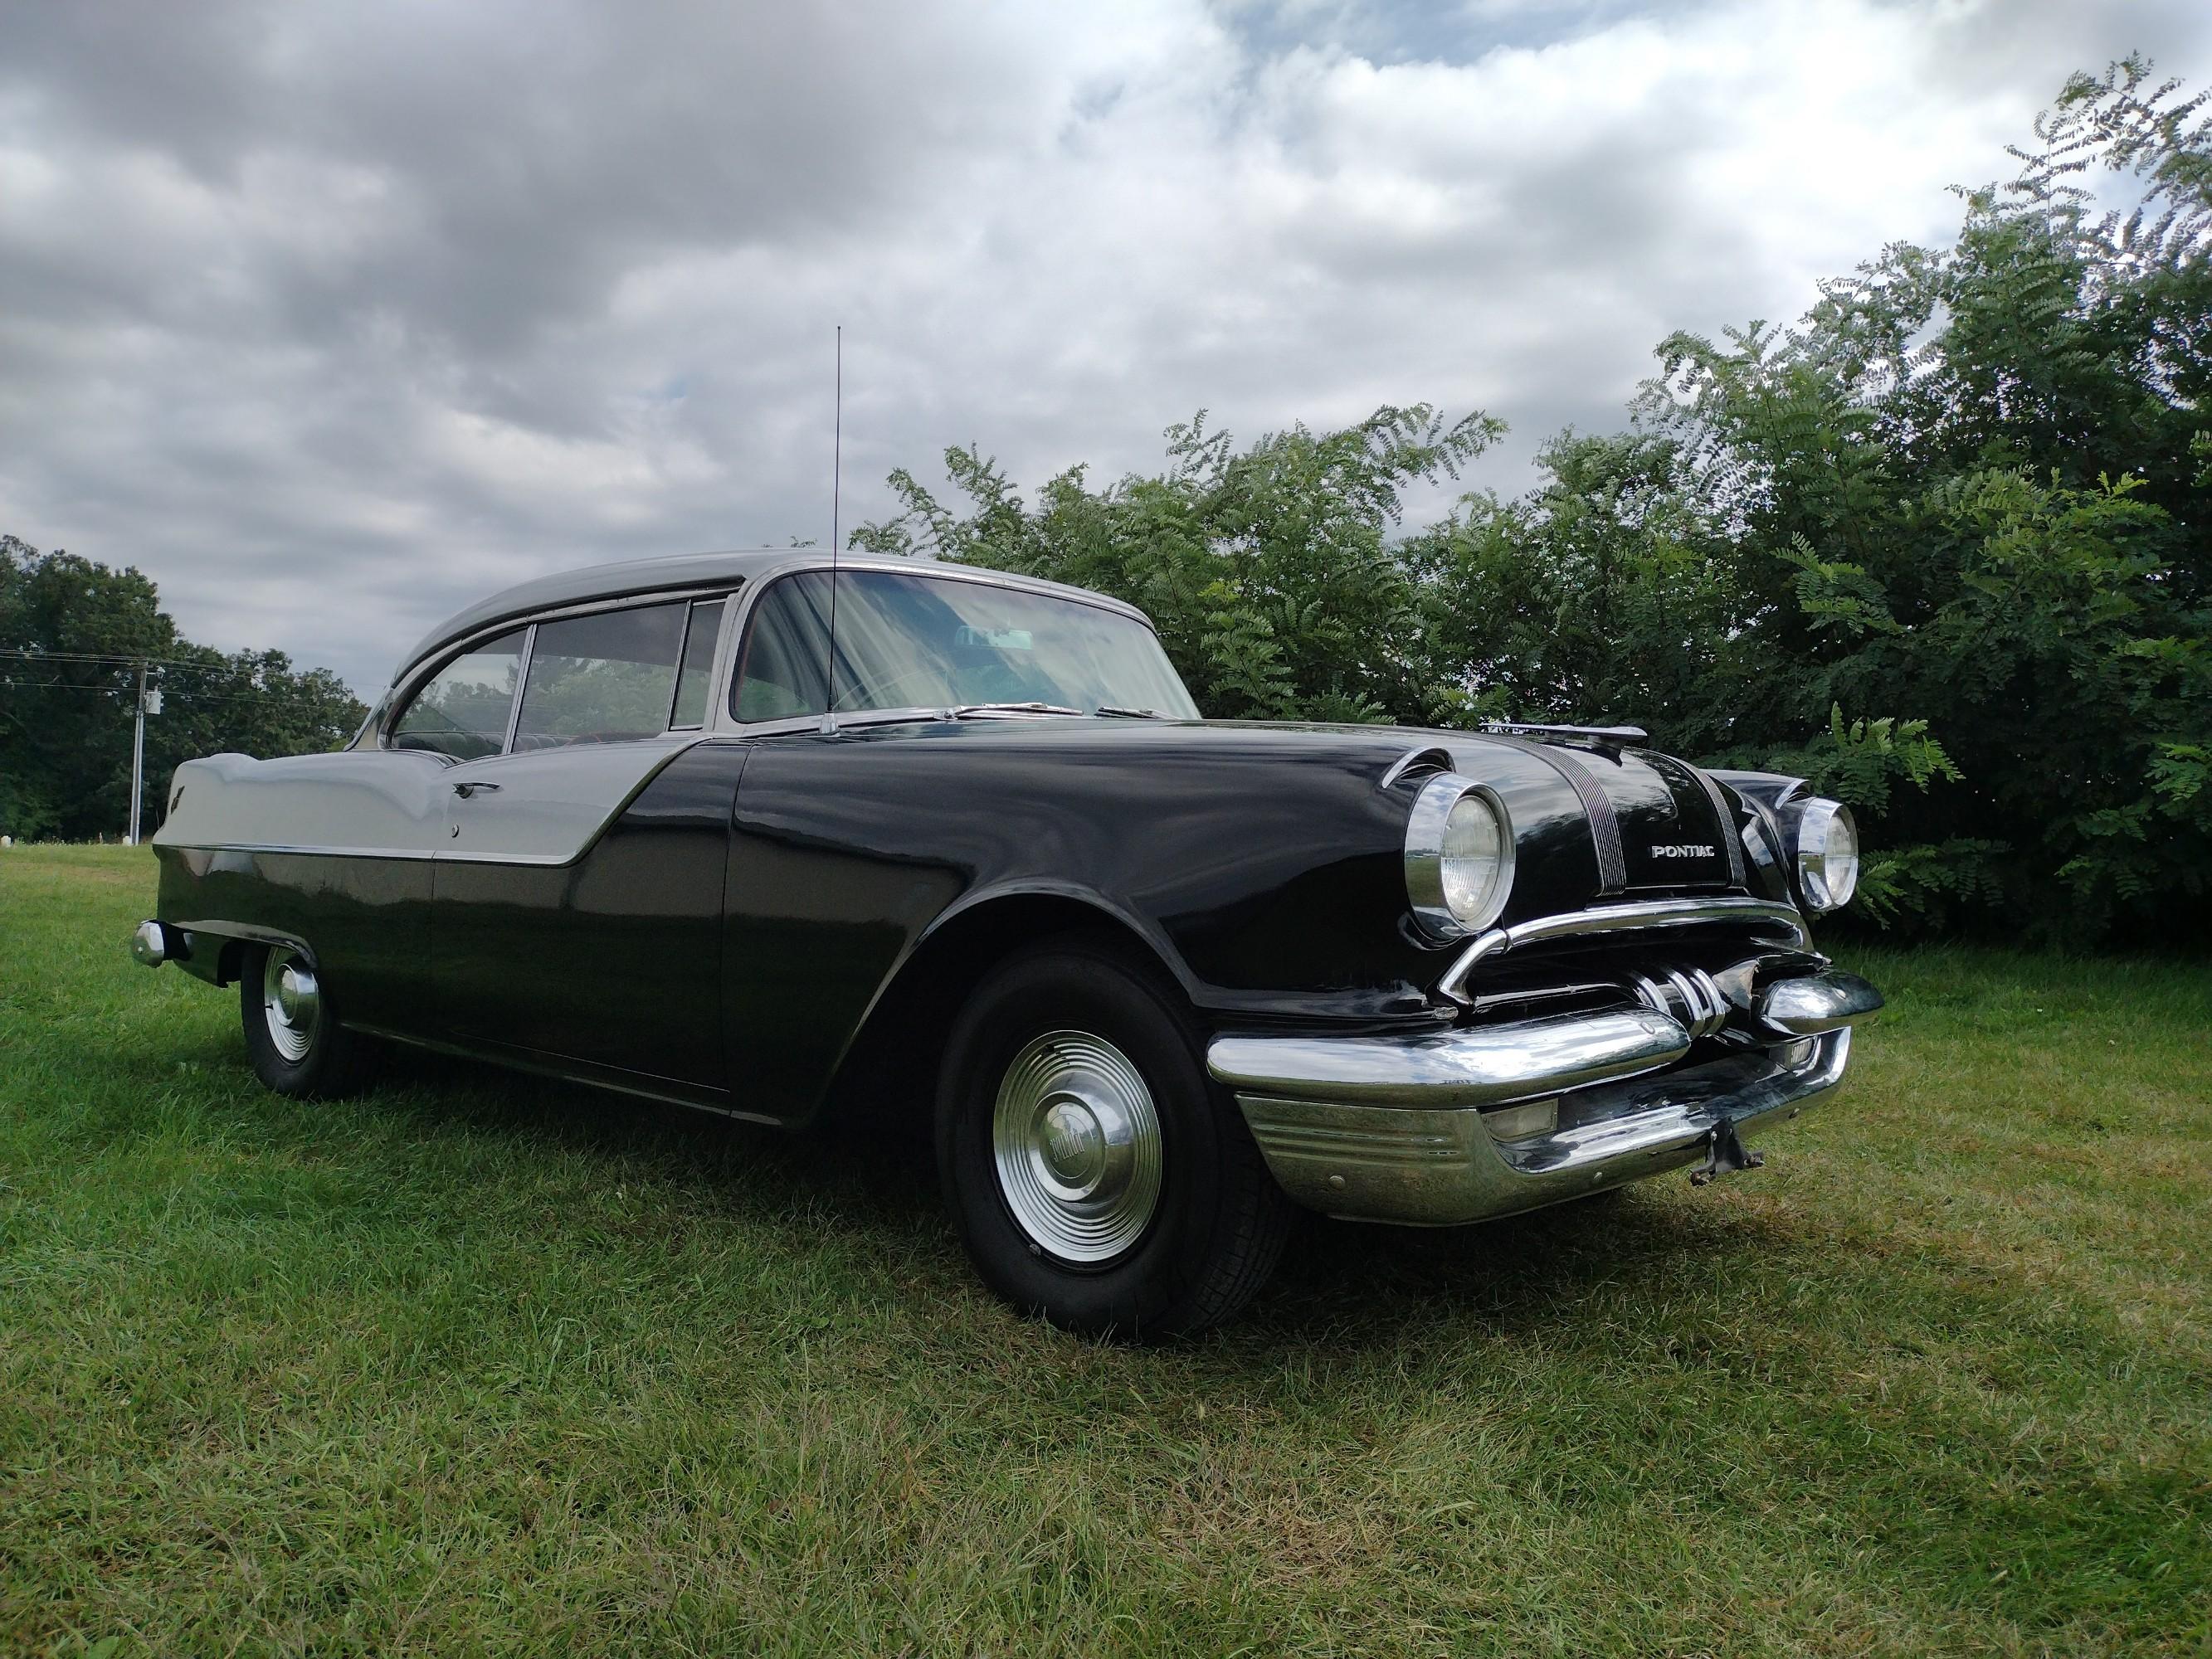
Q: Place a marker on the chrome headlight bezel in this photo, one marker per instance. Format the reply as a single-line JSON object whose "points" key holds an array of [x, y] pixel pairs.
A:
{"points": [[1825, 880], [1424, 857]]}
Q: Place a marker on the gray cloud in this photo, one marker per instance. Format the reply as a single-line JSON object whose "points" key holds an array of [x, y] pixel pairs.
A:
{"points": [[332, 317]]}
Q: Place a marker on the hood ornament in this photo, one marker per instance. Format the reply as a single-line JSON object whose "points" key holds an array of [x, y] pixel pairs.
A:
{"points": [[1609, 739]]}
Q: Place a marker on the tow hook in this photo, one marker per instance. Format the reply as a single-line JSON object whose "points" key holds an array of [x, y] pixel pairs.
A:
{"points": [[1725, 1153]]}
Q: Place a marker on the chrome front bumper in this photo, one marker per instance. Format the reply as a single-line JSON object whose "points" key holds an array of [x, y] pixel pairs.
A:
{"points": [[1401, 1129]]}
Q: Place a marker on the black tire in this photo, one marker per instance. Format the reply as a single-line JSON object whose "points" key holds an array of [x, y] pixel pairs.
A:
{"points": [[1216, 1226], [313, 1058]]}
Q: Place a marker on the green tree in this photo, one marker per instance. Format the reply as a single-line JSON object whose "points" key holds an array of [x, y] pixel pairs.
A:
{"points": [[1267, 568], [65, 714], [1941, 547]]}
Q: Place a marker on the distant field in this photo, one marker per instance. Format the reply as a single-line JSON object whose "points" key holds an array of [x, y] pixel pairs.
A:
{"points": [[484, 1364]]}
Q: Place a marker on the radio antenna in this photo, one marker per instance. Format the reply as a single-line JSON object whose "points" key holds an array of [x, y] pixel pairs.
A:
{"points": [[836, 484]]}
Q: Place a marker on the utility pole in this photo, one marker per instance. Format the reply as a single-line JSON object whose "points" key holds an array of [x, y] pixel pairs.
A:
{"points": [[137, 753]]}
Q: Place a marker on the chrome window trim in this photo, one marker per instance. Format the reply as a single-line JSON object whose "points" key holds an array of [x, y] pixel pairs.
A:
{"points": [[393, 704], [521, 688], [392, 708], [742, 597], [1645, 913], [683, 651], [695, 573]]}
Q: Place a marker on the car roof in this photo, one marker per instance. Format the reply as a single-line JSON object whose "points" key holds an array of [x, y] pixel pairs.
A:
{"points": [[731, 568]]}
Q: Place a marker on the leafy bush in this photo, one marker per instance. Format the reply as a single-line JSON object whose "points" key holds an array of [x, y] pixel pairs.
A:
{"points": [[1943, 547]]}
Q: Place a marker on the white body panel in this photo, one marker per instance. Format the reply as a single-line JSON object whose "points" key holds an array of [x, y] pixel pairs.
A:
{"points": [[545, 806], [369, 803]]}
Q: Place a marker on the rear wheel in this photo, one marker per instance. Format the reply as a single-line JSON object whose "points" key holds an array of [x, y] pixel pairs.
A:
{"points": [[1095, 1173], [293, 1039]]}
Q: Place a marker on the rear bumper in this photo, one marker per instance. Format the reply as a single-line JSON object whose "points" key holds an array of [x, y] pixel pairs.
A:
{"points": [[1409, 1129]]}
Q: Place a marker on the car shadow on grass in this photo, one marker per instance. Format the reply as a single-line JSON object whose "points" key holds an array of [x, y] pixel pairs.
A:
{"points": [[1344, 1283]]}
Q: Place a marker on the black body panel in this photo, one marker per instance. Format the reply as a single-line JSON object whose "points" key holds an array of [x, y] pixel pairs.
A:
{"points": [[1263, 864], [616, 959], [725, 938], [372, 914]]}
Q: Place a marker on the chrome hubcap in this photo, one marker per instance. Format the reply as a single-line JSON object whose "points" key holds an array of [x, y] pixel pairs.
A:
{"points": [[1077, 1142], [290, 1003]]}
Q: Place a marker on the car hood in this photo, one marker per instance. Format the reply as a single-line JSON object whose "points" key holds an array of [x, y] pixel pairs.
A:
{"points": [[1589, 824], [1657, 824]]}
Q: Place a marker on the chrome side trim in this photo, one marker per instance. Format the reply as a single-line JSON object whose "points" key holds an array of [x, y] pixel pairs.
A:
{"points": [[1647, 913], [643, 1084], [1484, 1065], [1428, 755], [1818, 1003], [548, 860], [292, 849], [1440, 1167]]}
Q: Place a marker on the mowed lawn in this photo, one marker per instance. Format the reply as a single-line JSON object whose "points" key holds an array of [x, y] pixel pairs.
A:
{"points": [[477, 1363]]}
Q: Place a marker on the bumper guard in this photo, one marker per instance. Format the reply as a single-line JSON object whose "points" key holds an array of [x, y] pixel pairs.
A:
{"points": [[1394, 1128]]}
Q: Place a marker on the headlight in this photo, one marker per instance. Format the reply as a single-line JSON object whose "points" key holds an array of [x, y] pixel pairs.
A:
{"points": [[1459, 856], [1827, 855]]}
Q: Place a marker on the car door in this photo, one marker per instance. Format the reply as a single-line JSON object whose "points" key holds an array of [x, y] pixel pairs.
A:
{"points": [[577, 895]]}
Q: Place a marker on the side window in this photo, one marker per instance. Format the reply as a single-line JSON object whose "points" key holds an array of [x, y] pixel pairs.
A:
{"points": [[781, 675], [462, 711], [694, 678], [601, 678]]}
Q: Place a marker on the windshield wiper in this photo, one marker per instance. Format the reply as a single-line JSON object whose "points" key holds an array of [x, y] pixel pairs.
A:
{"points": [[1110, 710], [967, 709]]}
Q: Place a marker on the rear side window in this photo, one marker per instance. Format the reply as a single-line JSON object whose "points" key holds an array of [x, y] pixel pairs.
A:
{"points": [[605, 677], [464, 710], [694, 680]]}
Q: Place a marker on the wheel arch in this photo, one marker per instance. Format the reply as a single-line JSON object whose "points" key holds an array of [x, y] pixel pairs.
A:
{"points": [[219, 958], [900, 1043]]}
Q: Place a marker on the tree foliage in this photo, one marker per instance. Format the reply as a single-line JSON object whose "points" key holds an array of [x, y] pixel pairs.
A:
{"points": [[1267, 570], [1942, 547], [65, 720]]}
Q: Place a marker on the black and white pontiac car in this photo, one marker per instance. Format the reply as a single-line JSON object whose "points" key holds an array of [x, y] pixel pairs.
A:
{"points": [[1161, 977]]}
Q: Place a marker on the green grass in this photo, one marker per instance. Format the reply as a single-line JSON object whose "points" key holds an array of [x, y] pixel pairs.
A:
{"points": [[478, 1362]]}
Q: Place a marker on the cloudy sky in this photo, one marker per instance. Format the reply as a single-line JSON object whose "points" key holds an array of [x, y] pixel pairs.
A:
{"points": [[333, 316]]}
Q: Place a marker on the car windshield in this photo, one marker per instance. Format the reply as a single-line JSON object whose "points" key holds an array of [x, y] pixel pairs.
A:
{"points": [[940, 642]]}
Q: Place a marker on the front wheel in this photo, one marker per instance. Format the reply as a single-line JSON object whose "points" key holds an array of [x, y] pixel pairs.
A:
{"points": [[293, 1039], [1095, 1175]]}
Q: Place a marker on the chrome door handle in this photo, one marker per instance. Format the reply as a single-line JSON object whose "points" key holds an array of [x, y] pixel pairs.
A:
{"points": [[466, 790]]}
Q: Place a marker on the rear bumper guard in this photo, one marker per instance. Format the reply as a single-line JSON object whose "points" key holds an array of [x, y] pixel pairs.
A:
{"points": [[1409, 1129]]}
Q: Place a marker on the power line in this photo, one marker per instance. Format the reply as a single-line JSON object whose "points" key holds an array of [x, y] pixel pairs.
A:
{"points": [[111, 659]]}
